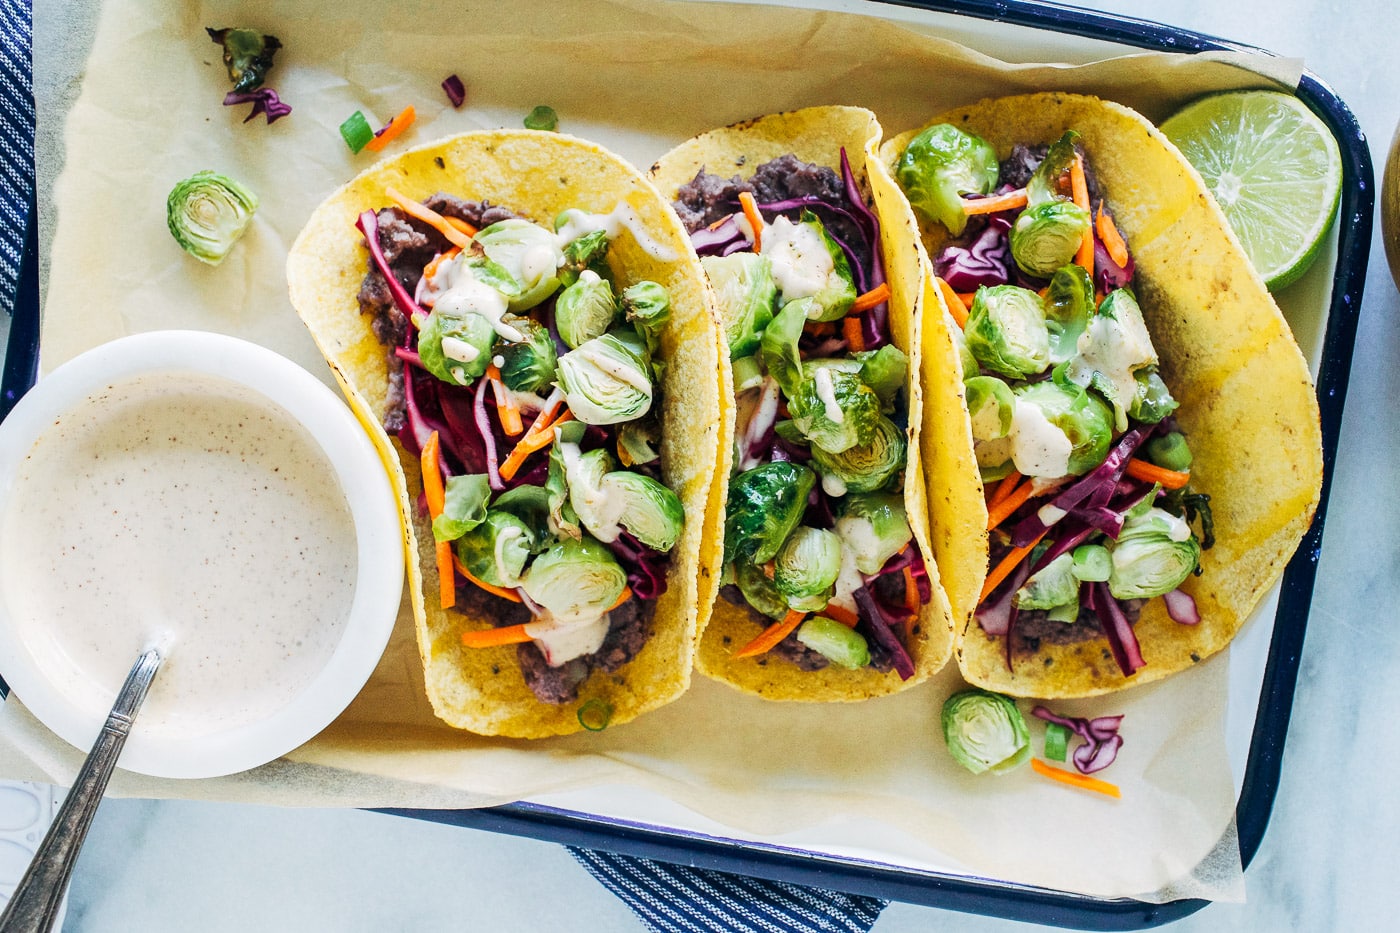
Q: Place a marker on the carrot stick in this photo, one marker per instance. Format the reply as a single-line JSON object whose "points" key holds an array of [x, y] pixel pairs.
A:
{"points": [[1151, 473], [1079, 190], [772, 635], [967, 298], [461, 224], [1112, 239], [392, 130], [507, 408], [1083, 782], [532, 441], [1002, 510], [956, 306], [1004, 488], [493, 637], [491, 588], [820, 328], [841, 614], [432, 476], [447, 581], [754, 218], [873, 297], [430, 217], [998, 202], [626, 595], [850, 329], [1008, 564], [911, 591]]}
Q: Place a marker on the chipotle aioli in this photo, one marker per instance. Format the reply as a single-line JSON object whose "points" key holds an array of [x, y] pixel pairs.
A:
{"points": [[187, 511]]}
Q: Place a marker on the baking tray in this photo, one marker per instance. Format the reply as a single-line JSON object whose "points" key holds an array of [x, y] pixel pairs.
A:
{"points": [[955, 892]]}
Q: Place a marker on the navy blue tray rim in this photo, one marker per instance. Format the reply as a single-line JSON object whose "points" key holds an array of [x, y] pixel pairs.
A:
{"points": [[988, 897]]}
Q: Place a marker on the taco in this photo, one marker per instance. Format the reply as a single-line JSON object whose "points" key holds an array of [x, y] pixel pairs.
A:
{"points": [[829, 590], [1144, 424], [538, 369]]}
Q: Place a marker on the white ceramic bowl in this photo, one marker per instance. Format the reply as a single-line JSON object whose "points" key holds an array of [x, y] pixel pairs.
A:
{"points": [[369, 497]]}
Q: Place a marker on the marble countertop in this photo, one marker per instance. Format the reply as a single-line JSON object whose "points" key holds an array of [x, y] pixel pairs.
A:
{"points": [[1326, 861]]}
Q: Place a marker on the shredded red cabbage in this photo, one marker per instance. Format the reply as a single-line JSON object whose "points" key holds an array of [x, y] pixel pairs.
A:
{"points": [[1101, 738], [1108, 275], [483, 426], [756, 437], [264, 101], [455, 90], [876, 623], [1182, 607], [410, 357], [1122, 641], [1103, 477], [985, 260], [996, 616], [912, 558], [646, 569], [368, 224]]}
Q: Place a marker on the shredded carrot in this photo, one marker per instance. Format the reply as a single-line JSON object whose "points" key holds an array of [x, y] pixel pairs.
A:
{"points": [[1083, 782], [998, 202], [841, 614], [873, 297], [754, 218], [769, 570], [430, 217], [911, 591], [1008, 564], [494, 637], [820, 328], [967, 298], [447, 581], [850, 329], [461, 224], [772, 635], [392, 130], [1151, 473], [719, 223], [1002, 510], [536, 438], [491, 588], [507, 408], [626, 595], [1112, 239], [432, 476], [956, 306], [1079, 190], [432, 267], [1004, 488]]}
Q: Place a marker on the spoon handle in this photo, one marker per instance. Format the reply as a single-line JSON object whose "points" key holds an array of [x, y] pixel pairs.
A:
{"points": [[35, 901]]}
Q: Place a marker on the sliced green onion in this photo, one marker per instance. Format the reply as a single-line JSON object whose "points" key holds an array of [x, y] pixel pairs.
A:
{"points": [[542, 118], [595, 715], [1056, 741], [356, 131]]}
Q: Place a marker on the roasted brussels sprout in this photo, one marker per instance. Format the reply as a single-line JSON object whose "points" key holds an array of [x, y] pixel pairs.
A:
{"points": [[745, 291], [940, 165], [528, 254], [207, 213], [607, 379], [584, 474], [1154, 554], [648, 307], [1115, 346], [1046, 236], [779, 345], [464, 506], [1059, 430], [834, 408], [1091, 563], [1068, 305], [765, 504], [1051, 586], [807, 263], [1152, 400], [864, 467], [497, 549], [530, 504], [985, 731], [648, 510], [842, 646], [806, 566], [875, 528], [1006, 331], [759, 591], [247, 55], [575, 578], [884, 370], [528, 365], [454, 347], [991, 406], [588, 252], [585, 310], [563, 520]]}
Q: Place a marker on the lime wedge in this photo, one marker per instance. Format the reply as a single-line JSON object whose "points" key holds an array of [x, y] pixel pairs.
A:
{"points": [[1274, 169]]}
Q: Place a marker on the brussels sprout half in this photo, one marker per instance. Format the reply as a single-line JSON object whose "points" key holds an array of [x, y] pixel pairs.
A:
{"points": [[875, 528], [765, 504], [464, 506], [833, 408], [779, 345], [496, 550], [455, 347], [207, 213], [985, 731], [528, 254], [806, 567], [759, 591], [648, 308], [527, 365], [650, 511], [807, 263], [575, 578], [1085, 421], [1046, 236], [865, 467], [585, 310], [607, 379], [1053, 585], [1006, 331], [1154, 554], [745, 291], [884, 370], [941, 164], [839, 644], [1068, 306]]}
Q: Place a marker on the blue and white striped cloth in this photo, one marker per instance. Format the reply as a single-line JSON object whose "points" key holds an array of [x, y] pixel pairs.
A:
{"points": [[667, 898]]}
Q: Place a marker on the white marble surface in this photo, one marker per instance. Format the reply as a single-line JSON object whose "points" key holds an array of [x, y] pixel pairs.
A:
{"points": [[1327, 862]]}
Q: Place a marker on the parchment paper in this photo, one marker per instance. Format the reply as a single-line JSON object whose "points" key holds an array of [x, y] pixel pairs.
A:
{"points": [[636, 76]]}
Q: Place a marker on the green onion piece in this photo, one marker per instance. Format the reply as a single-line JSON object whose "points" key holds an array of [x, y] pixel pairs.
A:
{"points": [[542, 118], [1056, 741], [356, 131], [595, 715]]}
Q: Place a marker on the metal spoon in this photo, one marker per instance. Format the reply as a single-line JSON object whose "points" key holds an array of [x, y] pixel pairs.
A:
{"points": [[35, 901]]}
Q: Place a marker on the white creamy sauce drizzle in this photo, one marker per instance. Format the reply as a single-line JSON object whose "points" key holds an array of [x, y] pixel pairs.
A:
{"points": [[561, 638], [579, 223], [184, 508], [986, 423], [741, 220], [599, 507], [848, 579], [1116, 347], [801, 264], [827, 393], [1038, 447], [458, 291], [538, 262], [616, 368], [1176, 527], [498, 361], [455, 348], [588, 277]]}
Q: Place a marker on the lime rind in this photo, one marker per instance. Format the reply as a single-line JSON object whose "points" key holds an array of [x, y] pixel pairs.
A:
{"points": [[1275, 171]]}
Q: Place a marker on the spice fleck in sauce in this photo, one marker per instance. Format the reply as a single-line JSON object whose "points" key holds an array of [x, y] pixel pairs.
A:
{"points": [[188, 511]]}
